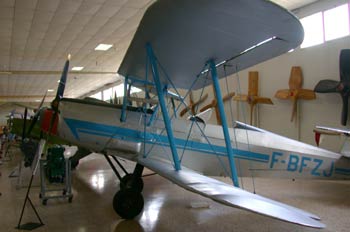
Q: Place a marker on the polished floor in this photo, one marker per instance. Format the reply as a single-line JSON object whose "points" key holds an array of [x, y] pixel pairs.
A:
{"points": [[167, 206]]}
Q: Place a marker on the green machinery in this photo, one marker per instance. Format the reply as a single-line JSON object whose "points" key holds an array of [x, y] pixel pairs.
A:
{"points": [[55, 164], [57, 170]]}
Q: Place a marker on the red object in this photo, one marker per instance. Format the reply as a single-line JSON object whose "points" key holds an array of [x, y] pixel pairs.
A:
{"points": [[317, 138], [46, 121]]}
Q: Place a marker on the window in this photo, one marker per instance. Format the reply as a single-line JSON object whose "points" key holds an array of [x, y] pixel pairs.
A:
{"points": [[324, 26], [97, 95], [313, 30], [336, 22], [120, 90], [107, 94]]}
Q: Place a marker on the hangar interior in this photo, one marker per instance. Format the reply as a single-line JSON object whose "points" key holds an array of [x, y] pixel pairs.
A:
{"points": [[36, 37]]}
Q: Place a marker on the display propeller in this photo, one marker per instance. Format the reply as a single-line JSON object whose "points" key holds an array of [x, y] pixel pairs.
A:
{"points": [[214, 105], [342, 87], [252, 98], [295, 91], [193, 104]]}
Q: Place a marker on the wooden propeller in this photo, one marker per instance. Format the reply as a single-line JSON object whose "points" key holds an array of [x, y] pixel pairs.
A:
{"points": [[214, 104], [192, 106], [295, 92], [252, 98]]}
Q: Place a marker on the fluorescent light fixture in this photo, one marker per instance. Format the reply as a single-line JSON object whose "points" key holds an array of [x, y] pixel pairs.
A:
{"points": [[37, 100], [77, 68], [50, 90], [103, 47]]}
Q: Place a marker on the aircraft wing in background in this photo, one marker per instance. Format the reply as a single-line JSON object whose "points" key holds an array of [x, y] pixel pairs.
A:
{"points": [[332, 129]]}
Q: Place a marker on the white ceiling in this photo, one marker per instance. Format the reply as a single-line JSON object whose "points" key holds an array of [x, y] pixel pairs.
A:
{"points": [[37, 35]]}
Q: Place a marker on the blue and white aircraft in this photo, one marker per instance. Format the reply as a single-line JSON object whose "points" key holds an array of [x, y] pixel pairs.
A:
{"points": [[190, 45]]}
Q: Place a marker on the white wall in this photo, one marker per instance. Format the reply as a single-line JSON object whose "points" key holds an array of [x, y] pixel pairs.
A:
{"points": [[317, 63]]}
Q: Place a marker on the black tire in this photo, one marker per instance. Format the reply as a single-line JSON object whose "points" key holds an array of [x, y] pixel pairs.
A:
{"points": [[128, 183], [128, 203]]}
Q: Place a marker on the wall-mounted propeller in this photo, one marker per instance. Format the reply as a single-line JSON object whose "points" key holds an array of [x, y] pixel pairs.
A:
{"points": [[342, 87]]}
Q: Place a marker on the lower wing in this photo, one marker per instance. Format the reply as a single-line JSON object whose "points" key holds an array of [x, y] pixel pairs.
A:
{"points": [[230, 195]]}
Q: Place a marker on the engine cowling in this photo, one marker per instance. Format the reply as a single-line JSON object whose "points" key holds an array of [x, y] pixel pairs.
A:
{"points": [[45, 121]]}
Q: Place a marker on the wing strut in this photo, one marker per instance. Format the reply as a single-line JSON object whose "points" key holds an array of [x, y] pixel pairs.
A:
{"points": [[163, 107], [220, 104]]}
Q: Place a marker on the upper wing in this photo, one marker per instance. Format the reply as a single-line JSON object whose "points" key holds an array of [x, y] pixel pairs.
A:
{"points": [[185, 35], [230, 195]]}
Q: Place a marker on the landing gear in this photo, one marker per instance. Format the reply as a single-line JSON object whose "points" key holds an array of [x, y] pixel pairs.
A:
{"points": [[128, 201], [127, 182]]}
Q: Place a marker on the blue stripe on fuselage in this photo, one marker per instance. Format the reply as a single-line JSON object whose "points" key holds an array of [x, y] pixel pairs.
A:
{"points": [[78, 126], [342, 171]]}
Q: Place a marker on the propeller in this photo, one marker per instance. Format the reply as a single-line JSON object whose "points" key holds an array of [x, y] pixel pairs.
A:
{"points": [[342, 87], [214, 104], [252, 97], [54, 103], [295, 92], [36, 116], [192, 106], [59, 95]]}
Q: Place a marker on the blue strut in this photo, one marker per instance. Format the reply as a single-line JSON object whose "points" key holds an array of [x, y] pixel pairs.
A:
{"points": [[161, 99], [220, 103]]}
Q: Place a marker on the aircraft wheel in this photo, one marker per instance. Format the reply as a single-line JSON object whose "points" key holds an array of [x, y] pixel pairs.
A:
{"points": [[128, 203], [127, 183]]}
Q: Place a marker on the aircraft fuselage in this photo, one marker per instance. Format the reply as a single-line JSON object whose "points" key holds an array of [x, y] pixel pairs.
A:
{"points": [[257, 152]]}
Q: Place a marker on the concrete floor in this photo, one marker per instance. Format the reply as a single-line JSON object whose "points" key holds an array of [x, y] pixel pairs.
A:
{"points": [[167, 206]]}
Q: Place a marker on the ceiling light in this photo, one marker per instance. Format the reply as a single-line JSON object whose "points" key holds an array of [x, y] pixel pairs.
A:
{"points": [[37, 100], [77, 68], [50, 90], [103, 47]]}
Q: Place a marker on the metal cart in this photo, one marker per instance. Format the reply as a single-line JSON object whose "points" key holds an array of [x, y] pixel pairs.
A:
{"points": [[65, 192]]}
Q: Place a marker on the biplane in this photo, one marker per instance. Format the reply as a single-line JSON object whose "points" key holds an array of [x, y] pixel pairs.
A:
{"points": [[191, 45]]}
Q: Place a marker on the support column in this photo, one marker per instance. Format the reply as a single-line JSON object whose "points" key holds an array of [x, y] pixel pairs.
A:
{"points": [[220, 103], [162, 104]]}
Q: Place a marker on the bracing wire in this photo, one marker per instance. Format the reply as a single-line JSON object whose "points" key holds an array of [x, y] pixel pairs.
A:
{"points": [[246, 131], [233, 123], [182, 101]]}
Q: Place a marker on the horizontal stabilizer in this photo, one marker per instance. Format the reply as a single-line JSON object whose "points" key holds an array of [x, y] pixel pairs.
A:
{"points": [[327, 86], [345, 150], [230, 195], [335, 130]]}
